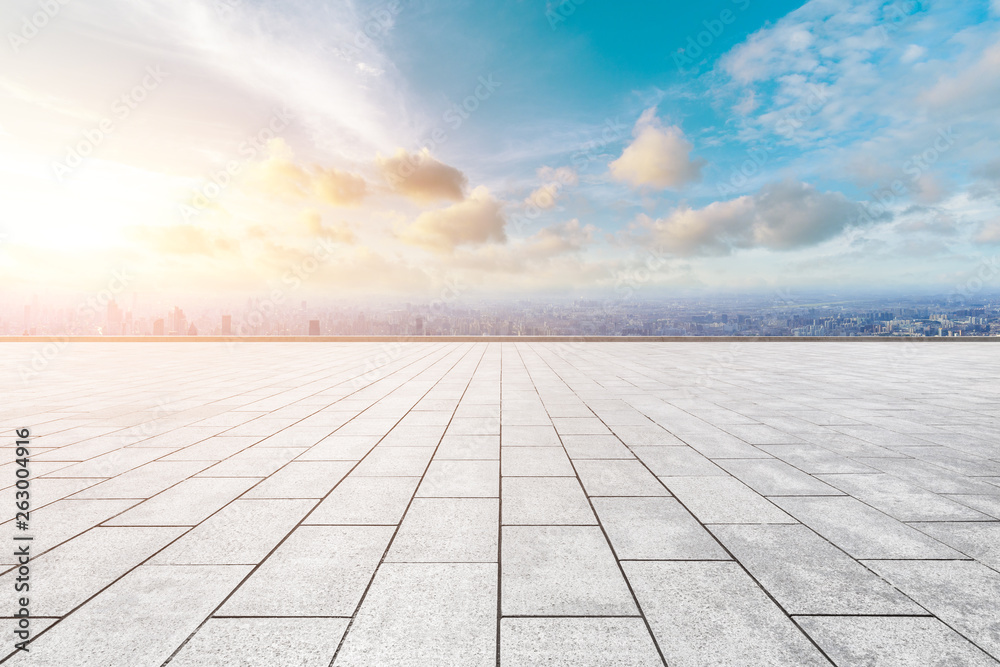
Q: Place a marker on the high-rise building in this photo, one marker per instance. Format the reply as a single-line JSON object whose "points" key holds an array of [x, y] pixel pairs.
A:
{"points": [[158, 327], [114, 315], [313, 327], [178, 323], [227, 325]]}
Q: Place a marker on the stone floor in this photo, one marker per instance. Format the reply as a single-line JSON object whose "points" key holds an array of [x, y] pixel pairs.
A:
{"points": [[584, 504]]}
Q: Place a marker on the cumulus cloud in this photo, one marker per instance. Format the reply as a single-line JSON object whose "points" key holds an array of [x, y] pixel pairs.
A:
{"points": [[313, 223], [553, 181], [658, 156], [782, 216], [281, 175], [421, 177], [559, 239], [975, 88], [476, 220], [989, 233]]}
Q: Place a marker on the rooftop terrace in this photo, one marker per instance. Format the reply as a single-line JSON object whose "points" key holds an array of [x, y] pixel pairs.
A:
{"points": [[502, 503]]}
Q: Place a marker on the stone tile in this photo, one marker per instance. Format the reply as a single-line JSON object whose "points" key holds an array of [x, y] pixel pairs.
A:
{"points": [[317, 571], [414, 436], [64, 519], [216, 448], [932, 477], [902, 500], [545, 500], [677, 462], [655, 529], [595, 447], [712, 613], [716, 444], [137, 622], [66, 576], [579, 426], [253, 462], [576, 642], [815, 460], [724, 500], [263, 642], [760, 434], [976, 539], [426, 613], [145, 481], [771, 477], [395, 462], [302, 479], [477, 427], [452, 530], [989, 505], [529, 436], [341, 448], [560, 570], [963, 594], [186, 504], [861, 531], [618, 478], [886, 641], [536, 462], [242, 533], [469, 447], [115, 462], [465, 479], [645, 435], [808, 575], [45, 490], [366, 500]]}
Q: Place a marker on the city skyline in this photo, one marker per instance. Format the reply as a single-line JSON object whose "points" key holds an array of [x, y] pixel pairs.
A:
{"points": [[234, 148]]}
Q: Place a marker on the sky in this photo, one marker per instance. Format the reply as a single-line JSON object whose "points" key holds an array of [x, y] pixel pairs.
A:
{"points": [[362, 149]]}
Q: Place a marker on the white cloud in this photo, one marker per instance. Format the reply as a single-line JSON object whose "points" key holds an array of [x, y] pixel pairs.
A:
{"points": [[658, 156], [477, 220], [977, 87], [553, 181], [782, 216], [913, 53], [421, 177]]}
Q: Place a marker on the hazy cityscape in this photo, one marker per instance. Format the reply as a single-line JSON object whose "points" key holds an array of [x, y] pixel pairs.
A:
{"points": [[777, 314]]}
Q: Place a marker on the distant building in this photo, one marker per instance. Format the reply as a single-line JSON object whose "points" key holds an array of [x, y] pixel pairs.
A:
{"points": [[313, 327], [158, 327], [114, 316], [178, 323], [192, 330], [227, 325]]}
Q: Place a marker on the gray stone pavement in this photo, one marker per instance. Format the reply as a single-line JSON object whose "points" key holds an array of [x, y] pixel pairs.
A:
{"points": [[316, 504]]}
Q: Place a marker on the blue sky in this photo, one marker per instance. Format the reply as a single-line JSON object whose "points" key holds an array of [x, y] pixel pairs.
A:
{"points": [[513, 147]]}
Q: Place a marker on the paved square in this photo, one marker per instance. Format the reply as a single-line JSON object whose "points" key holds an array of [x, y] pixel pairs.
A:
{"points": [[486, 503]]}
